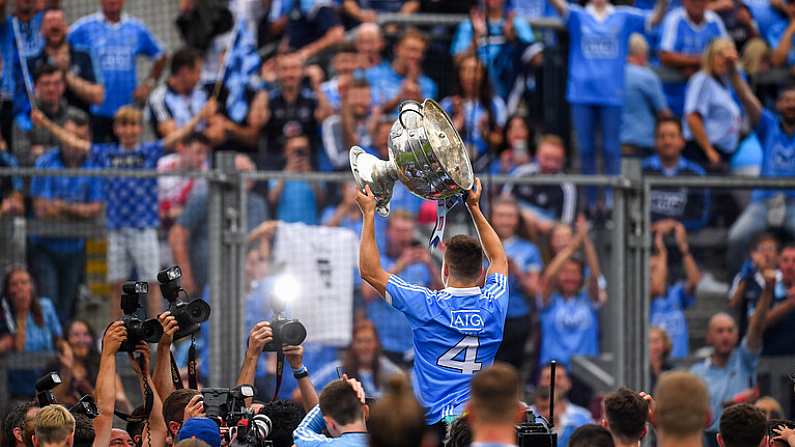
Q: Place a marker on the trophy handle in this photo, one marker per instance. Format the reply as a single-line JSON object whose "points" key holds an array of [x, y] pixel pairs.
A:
{"points": [[400, 116], [380, 175]]}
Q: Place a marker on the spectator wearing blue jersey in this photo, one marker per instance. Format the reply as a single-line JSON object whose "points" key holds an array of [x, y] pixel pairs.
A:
{"points": [[644, 102], [525, 265], [569, 311], [131, 204], [712, 118], [28, 323], [368, 10], [476, 112], [59, 263], [690, 206], [670, 296], [180, 98], [779, 35], [83, 84], [296, 200], [457, 331], [776, 132], [341, 413], [116, 40], [496, 37], [599, 35], [11, 200], [405, 256], [344, 64], [686, 32], [351, 125], [403, 79]]}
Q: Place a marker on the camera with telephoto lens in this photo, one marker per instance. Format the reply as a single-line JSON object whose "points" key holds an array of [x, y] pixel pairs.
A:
{"points": [[189, 315], [285, 333], [44, 387], [532, 433], [226, 404], [138, 329]]}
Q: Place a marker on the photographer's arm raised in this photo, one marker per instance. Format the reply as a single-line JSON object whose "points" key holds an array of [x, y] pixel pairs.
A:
{"points": [[260, 335], [155, 436], [106, 383], [162, 378]]}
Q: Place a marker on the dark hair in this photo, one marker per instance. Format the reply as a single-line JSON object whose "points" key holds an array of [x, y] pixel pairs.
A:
{"points": [[508, 121], [626, 414], [15, 418], [45, 69], [344, 47], [91, 362], [338, 401], [459, 433], [667, 120], [35, 306], [285, 416], [521, 226], [784, 88], [78, 117], [743, 425], [175, 403], [136, 422], [495, 393], [84, 431], [397, 412], [196, 137], [350, 363], [185, 57], [591, 435], [763, 237], [463, 255], [483, 90], [412, 33], [358, 83]]}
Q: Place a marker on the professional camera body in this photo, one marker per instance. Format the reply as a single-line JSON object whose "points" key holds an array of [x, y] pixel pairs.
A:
{"points": [[44, 396], [137, 329], [189, 315], [532, 433], [227, 407], [285, 333]]}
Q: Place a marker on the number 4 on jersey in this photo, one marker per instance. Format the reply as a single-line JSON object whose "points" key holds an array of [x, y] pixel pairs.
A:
{"points": [[469, 345]]}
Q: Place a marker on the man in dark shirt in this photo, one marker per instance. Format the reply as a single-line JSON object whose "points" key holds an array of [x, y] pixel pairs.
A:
{"points": [[545, 205], [311, 25], [290, 109], [83, 87], [688, 206]]}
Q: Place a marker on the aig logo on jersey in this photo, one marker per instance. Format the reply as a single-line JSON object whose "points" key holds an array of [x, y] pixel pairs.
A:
{"points": [[467, 320]]}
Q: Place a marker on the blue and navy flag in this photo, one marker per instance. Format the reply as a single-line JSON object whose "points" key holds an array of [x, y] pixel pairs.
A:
{"points": [[242, 63]]}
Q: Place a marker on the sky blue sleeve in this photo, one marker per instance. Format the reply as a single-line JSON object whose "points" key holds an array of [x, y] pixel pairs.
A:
{"points": [[148, 44], [41, 186], [533, 262], [766, 122], [668, 35], [310, 431], [51, 317], [496, 288], [462, 39], [78, 37], [697, 96], [685, 299], [411, 300], [657, 95], [523, 30]]}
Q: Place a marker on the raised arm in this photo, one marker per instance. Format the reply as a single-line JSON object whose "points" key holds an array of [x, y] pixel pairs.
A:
{"points": [[162, 378], [156, 435], [692, 272], [551, 272], [750, 102], [260, 335], [295, 357], [492, 246], [207, 111], [106, 383], [369, 258], [90, 92], [561, 7], [659, 267], [659, 12], [757, 323], [65, 137]]}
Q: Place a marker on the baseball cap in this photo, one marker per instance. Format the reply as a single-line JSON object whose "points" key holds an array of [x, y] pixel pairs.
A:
{"points": [[201, 428]]}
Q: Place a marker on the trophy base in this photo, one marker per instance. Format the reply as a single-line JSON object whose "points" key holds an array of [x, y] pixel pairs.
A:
{"points": [[379, 175]]}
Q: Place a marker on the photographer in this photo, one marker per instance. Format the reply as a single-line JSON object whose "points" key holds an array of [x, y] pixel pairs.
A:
{"points": [[174, 411], [114, 336], [15, 421], [54, 427], [495, 408], [84, 431], [341, 412], [155, 434], [262, 334]]}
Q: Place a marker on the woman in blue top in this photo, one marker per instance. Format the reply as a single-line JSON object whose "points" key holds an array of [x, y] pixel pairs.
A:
{"points": [[569, 312], [29, 324], [476, 112], [524, 261], [599, 41]]}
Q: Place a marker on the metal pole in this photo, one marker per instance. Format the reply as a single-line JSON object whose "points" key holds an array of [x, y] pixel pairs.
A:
{"points": [[646, 296], [614, 335]]}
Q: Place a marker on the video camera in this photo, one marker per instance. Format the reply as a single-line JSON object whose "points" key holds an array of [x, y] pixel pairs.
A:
{"points": [[227, 407], [44, 396], [137, 329], [189, 315]]}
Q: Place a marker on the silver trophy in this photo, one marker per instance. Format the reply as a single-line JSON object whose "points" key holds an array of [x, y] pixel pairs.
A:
{"points": [[425, 153]]}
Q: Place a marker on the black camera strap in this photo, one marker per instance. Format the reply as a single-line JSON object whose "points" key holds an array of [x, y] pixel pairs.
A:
{"points": [[193, 371], [279, 373], [175, 378]]}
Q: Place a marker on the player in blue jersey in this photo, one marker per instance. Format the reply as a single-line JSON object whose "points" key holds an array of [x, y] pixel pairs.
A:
{"points": [[457, 330]]}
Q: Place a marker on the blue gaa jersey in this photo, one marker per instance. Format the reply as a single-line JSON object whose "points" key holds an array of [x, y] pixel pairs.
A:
{"points": [[115, 47], [778, 153], [598, 53], [130, 202], [528, 259], [456, 334]]}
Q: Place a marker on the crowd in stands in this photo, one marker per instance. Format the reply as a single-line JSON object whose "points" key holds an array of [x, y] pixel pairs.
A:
{"points": [[291, 85]]}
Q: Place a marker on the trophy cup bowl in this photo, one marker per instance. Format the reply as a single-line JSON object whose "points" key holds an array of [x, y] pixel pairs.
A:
{"points": [[425, 153]]}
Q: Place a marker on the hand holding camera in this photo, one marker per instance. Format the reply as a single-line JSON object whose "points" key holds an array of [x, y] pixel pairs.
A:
{"points": [[114, 337], [137, 329], [189, 315], [195, 408], [261, 334], [170, 327]]}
